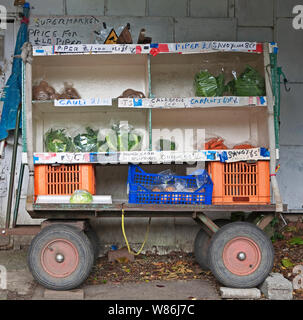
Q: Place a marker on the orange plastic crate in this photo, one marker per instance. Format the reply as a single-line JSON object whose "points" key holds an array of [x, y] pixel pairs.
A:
{"points": [[64, 179], [240, 182]]}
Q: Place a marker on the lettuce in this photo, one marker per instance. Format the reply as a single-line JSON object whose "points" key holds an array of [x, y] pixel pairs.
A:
{"points": [[81, 196]]}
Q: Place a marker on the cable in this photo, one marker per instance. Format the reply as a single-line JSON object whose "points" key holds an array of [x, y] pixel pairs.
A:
{"points": [[125, 238]]}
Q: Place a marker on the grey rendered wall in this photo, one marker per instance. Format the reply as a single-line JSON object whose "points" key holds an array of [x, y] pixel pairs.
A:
{"points": [[193, 20]]}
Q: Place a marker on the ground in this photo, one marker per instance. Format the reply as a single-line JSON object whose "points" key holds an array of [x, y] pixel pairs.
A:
{"points": [[151, 276]]}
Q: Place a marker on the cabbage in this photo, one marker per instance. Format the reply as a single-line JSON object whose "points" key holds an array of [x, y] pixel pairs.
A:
{"points": [[87, 142], [209, 86], [81, 196], [249, 83], [58, 141]]}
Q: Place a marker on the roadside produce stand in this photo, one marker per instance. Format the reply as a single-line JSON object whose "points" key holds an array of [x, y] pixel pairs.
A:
{"points": [[163, 81]]}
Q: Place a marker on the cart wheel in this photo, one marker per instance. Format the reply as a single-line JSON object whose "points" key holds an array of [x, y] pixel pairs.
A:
{"points": [[94, 239], [202, 242], [60, 257], [240, 255]]}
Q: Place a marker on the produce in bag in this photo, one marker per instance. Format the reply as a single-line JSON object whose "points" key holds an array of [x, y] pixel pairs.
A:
{"points": [[87, 142], [215, 144], [81, 196], [121, 137], [43, 91], [69, 92], [249, 83], [165, 144], [58, 141], [207, 85]]}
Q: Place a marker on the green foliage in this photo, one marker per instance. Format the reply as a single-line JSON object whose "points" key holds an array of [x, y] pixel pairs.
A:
{"points": [[249, 83], [87, 142], [209, 86], [58, 141]]}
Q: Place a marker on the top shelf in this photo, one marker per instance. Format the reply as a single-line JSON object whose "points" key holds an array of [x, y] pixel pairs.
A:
{"points": [[154, 48]]}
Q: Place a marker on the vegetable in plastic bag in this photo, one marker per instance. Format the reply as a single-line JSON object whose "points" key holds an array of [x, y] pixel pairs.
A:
{"points": [[202, 177], [68, 92], [43, 91], [87, 142], [249, 83], [121, 137], [209, 86], [165, 144], [58, 141], [81, 196]]}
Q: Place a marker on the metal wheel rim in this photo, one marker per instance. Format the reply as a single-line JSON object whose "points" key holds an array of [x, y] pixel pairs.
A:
{"points": [[59, 247], [234, 249]]}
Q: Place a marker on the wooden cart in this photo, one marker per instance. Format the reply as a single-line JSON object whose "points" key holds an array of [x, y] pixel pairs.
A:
{"points": [[62, 254]]}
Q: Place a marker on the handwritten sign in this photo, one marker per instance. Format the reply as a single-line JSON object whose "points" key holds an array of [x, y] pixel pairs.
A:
{"points": [[215, 46], [62, 30], [243, 155], [194, 102], [150, 156], [83, 102]]}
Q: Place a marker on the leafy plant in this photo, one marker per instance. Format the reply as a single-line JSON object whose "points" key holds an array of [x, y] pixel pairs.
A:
{"points": [[58, 141], [207, 85], [249, 83], [87, 142]]}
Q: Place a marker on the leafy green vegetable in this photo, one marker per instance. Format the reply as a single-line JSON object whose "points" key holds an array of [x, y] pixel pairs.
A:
{"points": [[164, 144], [206, 84], [81, 196], [120, 140], [287, 263], [249, 83], [87, 142], [209, 86], [58, 141]]}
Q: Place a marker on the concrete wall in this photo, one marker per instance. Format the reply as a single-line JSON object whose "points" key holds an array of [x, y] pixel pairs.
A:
{"points": [[192, 20]]}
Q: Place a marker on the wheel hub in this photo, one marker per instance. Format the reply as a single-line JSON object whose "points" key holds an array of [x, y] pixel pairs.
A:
{"points": [[241, 256], [59, 258]]}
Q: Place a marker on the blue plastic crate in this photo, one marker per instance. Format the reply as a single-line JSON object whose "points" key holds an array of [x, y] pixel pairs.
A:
{"points": [[140, 184]]}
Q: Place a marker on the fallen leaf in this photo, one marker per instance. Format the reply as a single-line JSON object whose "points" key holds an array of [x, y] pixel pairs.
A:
{"points": [[287, 263]]}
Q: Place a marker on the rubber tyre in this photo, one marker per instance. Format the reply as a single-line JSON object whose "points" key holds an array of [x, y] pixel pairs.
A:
{"points": [[83, 248], [95, 241], [202, 242], [223, 237]]}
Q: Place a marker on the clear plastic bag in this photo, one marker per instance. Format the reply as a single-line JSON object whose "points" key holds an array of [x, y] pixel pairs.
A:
{"points": [[81, 196], [43, 91], [165, 145], [87, 141], [249, 83], [180, 185], [56, 140], [202, 177], [121, 137], [68, 92], [207, 85]]}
